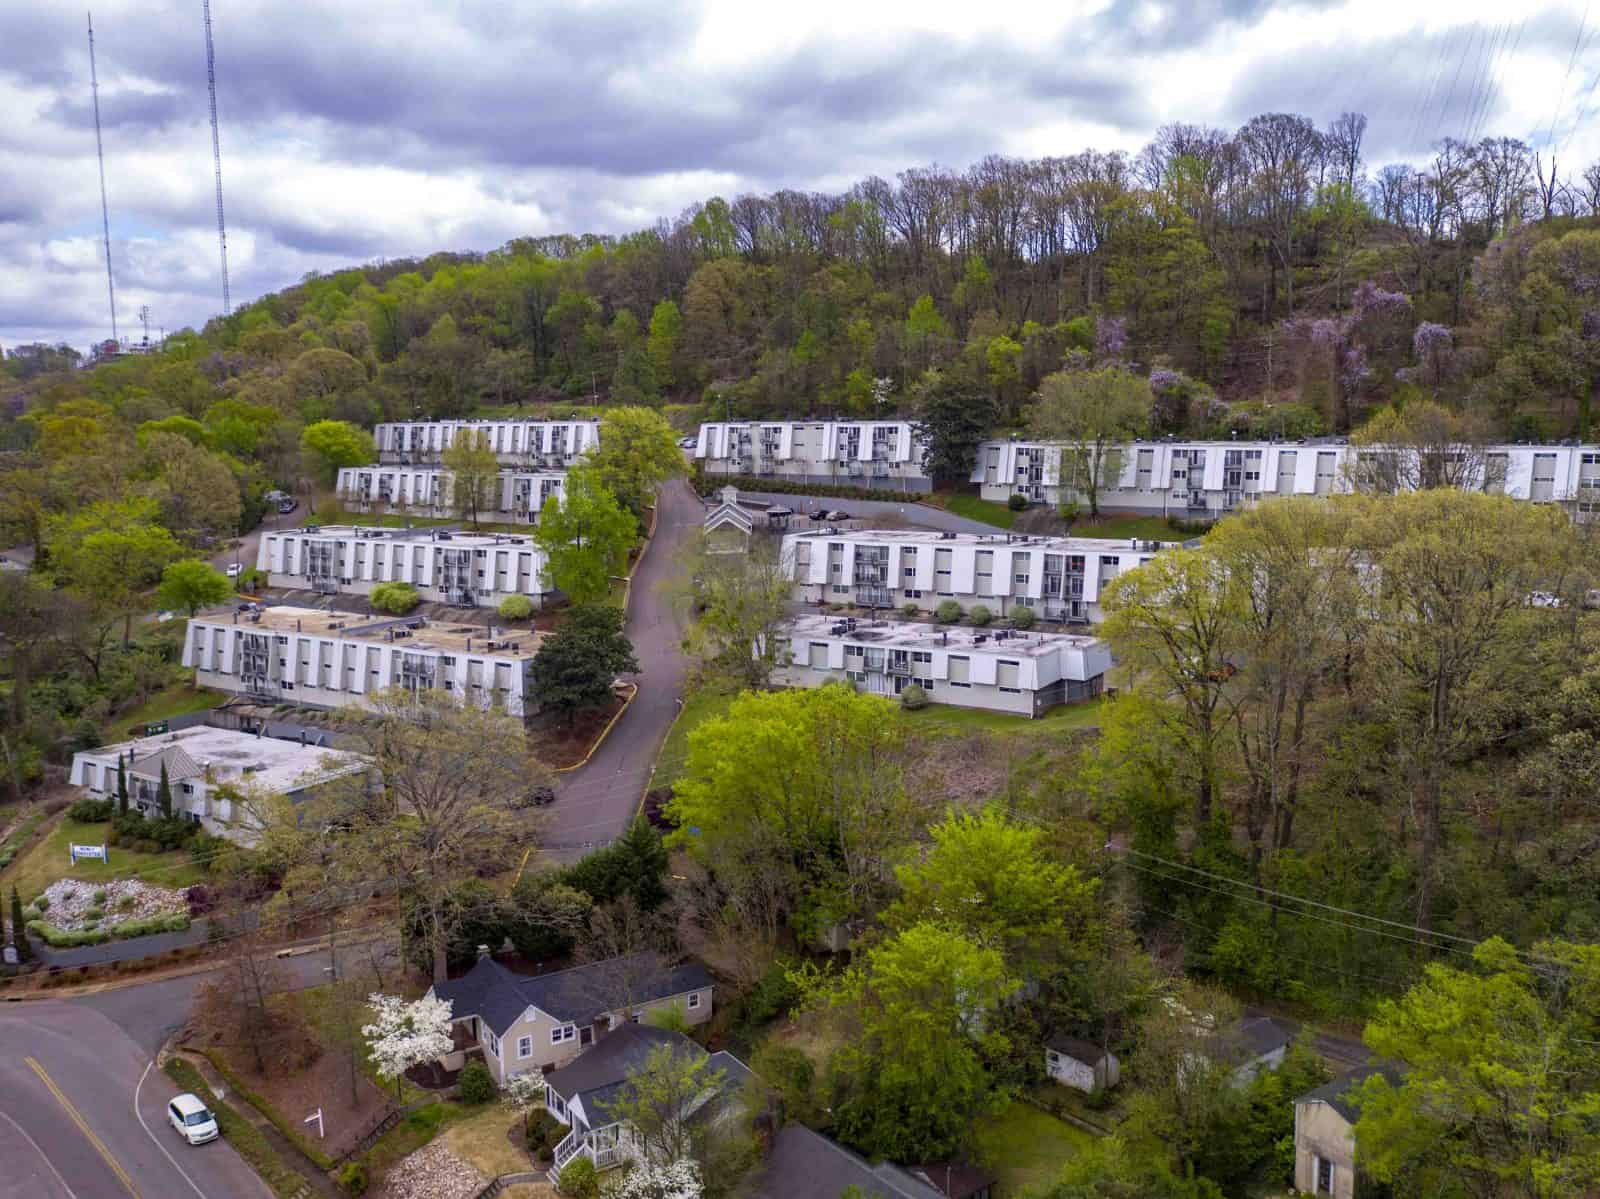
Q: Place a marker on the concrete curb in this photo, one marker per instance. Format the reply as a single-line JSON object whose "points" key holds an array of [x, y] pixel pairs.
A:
{"points": [[604, 733], [649, 537], [649, 783]]}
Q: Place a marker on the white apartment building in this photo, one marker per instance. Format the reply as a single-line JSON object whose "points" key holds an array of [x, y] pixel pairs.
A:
{"points": [[445, 566], [548, 444], [1206, 479], [1002, 670], [883, 453], [207, 768], [425, 491], [1060, 578], [316, 659]]}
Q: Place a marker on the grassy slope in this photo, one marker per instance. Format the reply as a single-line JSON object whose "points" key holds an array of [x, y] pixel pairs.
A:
{"points": [[1026, 1147], [1145, 528], [943, 718], [699, 706], [48, 861], [173, 700], [971, 507]]}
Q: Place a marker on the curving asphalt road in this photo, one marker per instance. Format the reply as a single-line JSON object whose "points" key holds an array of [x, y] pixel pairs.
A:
{"points": [[84, 1116], [596, 802]]}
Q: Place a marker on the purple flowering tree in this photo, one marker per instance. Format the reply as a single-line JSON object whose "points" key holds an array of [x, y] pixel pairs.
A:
{"points": [[1110, 338], [1434, 346], [1336, 352]]}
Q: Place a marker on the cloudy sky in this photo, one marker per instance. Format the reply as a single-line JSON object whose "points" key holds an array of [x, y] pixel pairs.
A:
{"points": [[385, 128]]}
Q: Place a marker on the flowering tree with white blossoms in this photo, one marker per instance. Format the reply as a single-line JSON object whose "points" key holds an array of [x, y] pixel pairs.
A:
{"points": [[523, 1093], [404, 1034], [678, 1180]]}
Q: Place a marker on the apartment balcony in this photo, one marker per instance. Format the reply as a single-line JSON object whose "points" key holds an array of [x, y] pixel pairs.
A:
{"points": [[874, 597], [903, 669]]}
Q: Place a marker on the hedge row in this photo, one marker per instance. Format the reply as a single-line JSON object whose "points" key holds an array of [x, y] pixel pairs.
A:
{"points": [[246, 1138], [60, 938], [290, 1131], [711, 484]]}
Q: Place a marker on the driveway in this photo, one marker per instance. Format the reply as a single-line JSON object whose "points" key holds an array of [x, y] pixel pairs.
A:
{"points": [[924, 516], [596, 802], [82, 1116]]}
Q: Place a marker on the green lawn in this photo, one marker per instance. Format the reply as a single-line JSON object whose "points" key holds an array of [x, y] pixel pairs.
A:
{"points": [[971, 507], [1026, 1147], [1145, 528], [698, 707], [48, 861], [945, 718], [175, 700]]}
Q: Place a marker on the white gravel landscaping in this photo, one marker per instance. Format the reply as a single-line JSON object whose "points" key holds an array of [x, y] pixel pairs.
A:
{"points": [[71, 901], [433, 1172]]}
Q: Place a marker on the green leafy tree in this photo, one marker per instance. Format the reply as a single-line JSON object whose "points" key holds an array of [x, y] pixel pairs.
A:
{"points": [[585, 535], [394, 597], [908, 1081], [190, 584], [799, 802], [638, 451], [925, 332], [332, 444], [1501, 1090], [110, 553], [164, 793], [666, 327], [659, 1100], [181, 426], [574, 667], [1092, 412], [954, 416], [474, 475], [740, 602], [122, 787], [19, 928]]}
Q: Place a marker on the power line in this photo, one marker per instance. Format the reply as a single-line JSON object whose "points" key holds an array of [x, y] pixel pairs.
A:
{"points": [[216, 154], [1561, 95]]}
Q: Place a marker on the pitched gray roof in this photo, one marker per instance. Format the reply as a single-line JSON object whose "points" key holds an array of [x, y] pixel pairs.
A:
{"points": [[598, 1073], [1252, 1038], [179, 764], [1086, 1052], [806, 1165], [1336, 1093], [497, 996]]}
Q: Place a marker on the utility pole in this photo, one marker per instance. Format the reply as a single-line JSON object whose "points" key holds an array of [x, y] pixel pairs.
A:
{"points": [[105, 211]]}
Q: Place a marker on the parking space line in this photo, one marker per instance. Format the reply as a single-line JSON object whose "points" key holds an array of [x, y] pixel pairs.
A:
{"points": [[83, 1127]]}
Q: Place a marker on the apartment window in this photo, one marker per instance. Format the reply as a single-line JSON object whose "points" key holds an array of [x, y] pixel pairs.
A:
{"points": [[1022, 579], [913, 593], [1323, 1184], [910, 572], [524, 1047], [694, 1000], [565, 1033], [841, 589], [960, 668]]}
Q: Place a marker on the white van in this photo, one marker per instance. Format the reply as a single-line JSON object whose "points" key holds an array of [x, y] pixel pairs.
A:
{"points": [[193, 1122]]}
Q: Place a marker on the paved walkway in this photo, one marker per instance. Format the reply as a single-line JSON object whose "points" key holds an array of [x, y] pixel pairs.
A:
{"points": [[596, 802], [922, 515]]}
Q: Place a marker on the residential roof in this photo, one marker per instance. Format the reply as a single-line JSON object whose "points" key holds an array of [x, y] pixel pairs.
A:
{"points": [[953, 1180], [803, 1164], [899, 634], [410, 632], [1075, 1047], [498, 997], [229, 754], [599, 1072], [1336, 1093], [1254, 1037], [457, 538]]}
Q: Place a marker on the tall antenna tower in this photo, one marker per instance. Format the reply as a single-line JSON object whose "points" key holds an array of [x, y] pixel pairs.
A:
{"points": [[216, 154], [100, 153]]}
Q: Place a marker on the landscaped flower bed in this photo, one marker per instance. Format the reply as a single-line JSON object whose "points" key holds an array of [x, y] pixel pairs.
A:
{"points": [[70, 912]]}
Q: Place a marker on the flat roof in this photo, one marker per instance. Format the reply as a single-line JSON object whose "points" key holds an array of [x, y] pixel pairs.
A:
{"points": [[423, 634], [270, 761], [455, 537], [1066, 545], [897, 634]]}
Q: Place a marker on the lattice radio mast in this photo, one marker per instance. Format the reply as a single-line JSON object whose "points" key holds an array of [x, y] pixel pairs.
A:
{"points": [[216, 154], [105, 210]]}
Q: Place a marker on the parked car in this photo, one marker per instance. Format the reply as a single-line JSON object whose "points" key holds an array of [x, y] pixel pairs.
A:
{"points": [[288, 505], [191, 1119], [235, 570], [539, 796]]}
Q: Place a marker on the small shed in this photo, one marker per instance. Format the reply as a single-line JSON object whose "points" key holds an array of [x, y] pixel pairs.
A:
{"points": [[728, 526], [1080, 1064]]}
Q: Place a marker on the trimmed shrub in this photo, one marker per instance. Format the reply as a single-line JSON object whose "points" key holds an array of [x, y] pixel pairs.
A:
{"points": [[1017, 502], [913, 698], [1022, 618], [476, 1084], [544, 1132], [515, 607], [980, 615], [395, 598], [579, 1179], [92, 811], [251, 580], [353, 1178], [911, 611], [99, 897], [948, 612], [42, 902], [60, 938]]}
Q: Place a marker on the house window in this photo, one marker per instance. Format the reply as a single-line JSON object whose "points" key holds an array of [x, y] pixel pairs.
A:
{"points": [[1324, 1179], [694, 1001], [524, 1046], [494, 1044], [558, 1035]]}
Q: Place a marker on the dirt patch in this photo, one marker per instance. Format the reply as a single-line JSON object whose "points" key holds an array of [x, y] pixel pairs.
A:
{"points": [[491, 1142], [324, 1084], [558, 744]]}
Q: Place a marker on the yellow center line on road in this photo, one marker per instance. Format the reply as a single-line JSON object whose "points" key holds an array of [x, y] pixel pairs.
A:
{"points": [[83, 1127]]}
